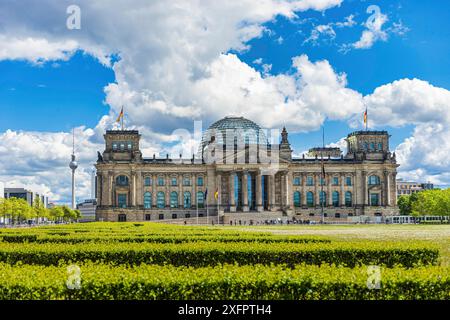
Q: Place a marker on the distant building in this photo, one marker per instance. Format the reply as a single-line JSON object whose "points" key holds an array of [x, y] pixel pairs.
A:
{"points": [[87, 209], [410, 187], [22, 193], [2, 190]]}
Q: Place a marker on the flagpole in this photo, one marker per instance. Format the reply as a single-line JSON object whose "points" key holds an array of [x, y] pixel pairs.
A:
{"points": [[323, 174], [123, 115]]}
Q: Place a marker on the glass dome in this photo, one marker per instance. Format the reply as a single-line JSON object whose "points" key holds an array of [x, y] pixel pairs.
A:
{"points": [[234, 130]]}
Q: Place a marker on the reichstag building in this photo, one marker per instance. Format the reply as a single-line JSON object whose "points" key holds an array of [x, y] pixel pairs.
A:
{"points": [[238, 174]]}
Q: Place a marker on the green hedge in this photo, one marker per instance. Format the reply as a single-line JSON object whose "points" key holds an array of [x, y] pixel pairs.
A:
{"points": [[149, 282], [174, 239], [19, 238], [200, 254]]}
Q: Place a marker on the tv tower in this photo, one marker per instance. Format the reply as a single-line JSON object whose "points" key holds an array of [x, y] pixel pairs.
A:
{"points": [[73, 166]]}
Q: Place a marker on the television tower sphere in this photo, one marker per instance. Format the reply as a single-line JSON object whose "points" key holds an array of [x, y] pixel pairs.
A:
{"points": [[73, 164]]}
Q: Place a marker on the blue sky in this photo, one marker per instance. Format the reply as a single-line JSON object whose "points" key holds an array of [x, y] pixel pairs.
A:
{"points": [[53, 90]]}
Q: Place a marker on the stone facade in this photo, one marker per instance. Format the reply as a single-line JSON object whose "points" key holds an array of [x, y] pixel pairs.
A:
{"points": [[133, 188]]}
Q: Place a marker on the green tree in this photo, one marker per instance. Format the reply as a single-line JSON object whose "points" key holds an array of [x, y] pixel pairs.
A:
{"points": [[432, 202], [40, 210], [56, 213], [404, 205]]}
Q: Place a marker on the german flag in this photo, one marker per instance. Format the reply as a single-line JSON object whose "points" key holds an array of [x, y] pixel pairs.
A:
{"points": [[120, 116], [365, 116]]}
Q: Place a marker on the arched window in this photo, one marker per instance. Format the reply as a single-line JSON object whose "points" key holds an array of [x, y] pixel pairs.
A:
{"points": [[161, 199], [374, 180], [200, 199], [147, 200], [335, 199], [174, 199], [187, 199], [147, 181], [310, 199], [297, 199], [323, 198], [200, 181], [122, 181], [348, 199]]}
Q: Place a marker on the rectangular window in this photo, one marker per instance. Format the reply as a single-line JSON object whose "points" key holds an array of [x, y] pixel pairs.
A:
{"points": [[147, 181], [297, 181], [130, 146], [188, 215], [309, 181], [335, 181], [174, 215], [322, 181], [160, 181], [161, 216], [147, 217], [200, 181], [174, 181], [114, 146], [122, 200], [186, 181], [348, 181], [374, 199]]}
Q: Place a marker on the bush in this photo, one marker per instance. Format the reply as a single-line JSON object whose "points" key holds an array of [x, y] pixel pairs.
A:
{"points": [[19, 238], [150, 282], [201, 254]]}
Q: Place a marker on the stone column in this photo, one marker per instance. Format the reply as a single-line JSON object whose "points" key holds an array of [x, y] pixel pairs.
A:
{"points": [[365, 197], [283, 190], [304, 192], [386, 189], [111, 195], [211, 182], [180, 191], [194, 190], [342, 190], [259, 206], [154, 191], [231, 189], [167, 189], [328, 178], [245, 207], [317, 189], [133, 189], [289, 190]]}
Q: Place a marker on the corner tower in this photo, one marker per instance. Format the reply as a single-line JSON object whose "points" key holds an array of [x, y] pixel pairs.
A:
{"points": [[122, 145], [368, 145]]}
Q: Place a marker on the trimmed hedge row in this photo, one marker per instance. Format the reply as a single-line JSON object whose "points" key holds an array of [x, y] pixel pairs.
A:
{"points": [[201, 254], [159, 239], [150, 282]]}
